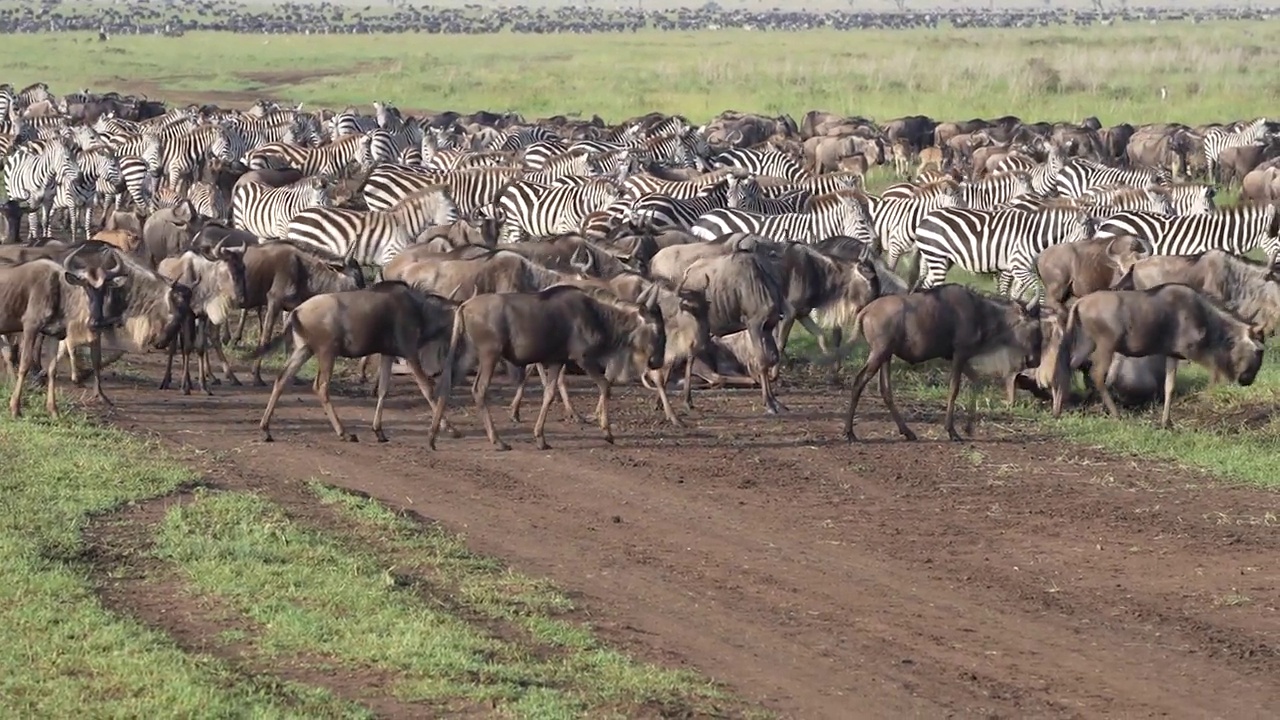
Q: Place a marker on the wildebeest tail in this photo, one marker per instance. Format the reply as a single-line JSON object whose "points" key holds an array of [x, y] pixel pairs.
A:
{"points": [[445, 386], [846, 347], [291, 327], [1056, 366]]}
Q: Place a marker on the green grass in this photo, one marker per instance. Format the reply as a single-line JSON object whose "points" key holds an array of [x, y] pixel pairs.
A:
{"points": [[62, 653], [1212, 70], [315, 592]]}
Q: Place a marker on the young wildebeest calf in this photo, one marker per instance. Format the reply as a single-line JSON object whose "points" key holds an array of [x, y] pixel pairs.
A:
{"points": [[552, 327], [1076, 269], [979, 334], [390, 319], [1171, 320]]}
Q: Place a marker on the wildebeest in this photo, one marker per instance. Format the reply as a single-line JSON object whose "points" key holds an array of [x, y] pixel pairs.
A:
{"points": [[34, 298], [280, 276], [1249, 290], [141, 310], [389, 319], [551, 327], [1076, 269], [1172, 320], [981, 334], [169, 231], [217, 285], [744, 292]]}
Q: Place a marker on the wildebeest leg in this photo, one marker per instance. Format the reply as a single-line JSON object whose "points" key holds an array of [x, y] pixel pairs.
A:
{"points": [[596, 373], [886, 394], [1101, 359], [324, 373], [550, 381], [521, 375], [95, 360], [874, 361], [562, 386], [216, 341], [364, 370], [660, 379], [688, 383], [244, 317], [975, 382], [296, 361], [950, 422], [384, 381], [50, 400], [425, 386], [264, 338], [30, 336], [765, 361], [484, 377], [167, 381], [1170, 381], [188, 341]]}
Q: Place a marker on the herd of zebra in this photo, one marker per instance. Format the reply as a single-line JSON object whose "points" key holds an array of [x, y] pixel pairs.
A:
{"points": [[987, 196], [142, 17]]}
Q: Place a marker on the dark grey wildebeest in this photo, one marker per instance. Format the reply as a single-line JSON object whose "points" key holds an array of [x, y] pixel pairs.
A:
{"points": [[389, 319], [1172, 320], [981, 334], [551, 327]]}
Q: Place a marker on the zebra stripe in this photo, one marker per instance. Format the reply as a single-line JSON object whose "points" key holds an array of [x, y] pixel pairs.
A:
{"points": [[1237, 230], [755, 162], [205, 199], [995, 190], [98, 178], [1079, 175], [840, 213], [531, 209], [1218, 139], [373, 237], [661, 212], [896, 219], [34, 172], [266, 211], [1005, 242]]}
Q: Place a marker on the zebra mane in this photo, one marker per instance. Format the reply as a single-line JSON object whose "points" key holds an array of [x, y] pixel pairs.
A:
{"points": [[938, 185]]}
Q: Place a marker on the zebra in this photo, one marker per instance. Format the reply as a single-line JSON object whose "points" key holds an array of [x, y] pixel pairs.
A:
{"points": [[97, 179], [661, 212], [1043, 175], [841, 213], [1190, 198], [138, 178], [1237, 230], [533, 157], [896, 219], [373, 237], [349, 122], [35, 172], [266, 211], [329, 161], [642, 184], [470, 190], [22, 99], [183, 155], [1079, 175], [1218, 139], [518, 138], [685, 149], [773, 163], [541, 210], [140, 145], [1115, 198], [995, 190], [206, 199], [1005, 242]]}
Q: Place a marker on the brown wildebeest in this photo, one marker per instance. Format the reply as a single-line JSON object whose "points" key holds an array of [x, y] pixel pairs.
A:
{"points": [[33, 299], [1171, 320], [217, 284], [979, 333], [551, 327], [390, 319], [123, 240], [1249, 290], [1076, 269]]}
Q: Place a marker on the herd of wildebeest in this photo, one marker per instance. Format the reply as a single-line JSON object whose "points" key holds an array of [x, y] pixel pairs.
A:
{"points": [[137, 17], [450, 243]]}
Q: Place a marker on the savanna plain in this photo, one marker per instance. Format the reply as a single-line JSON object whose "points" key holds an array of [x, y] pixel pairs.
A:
{"points": [[160, 561]]}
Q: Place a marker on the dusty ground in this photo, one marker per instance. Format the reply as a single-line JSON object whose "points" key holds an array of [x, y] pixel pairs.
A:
{"points": [[1011, 576]]}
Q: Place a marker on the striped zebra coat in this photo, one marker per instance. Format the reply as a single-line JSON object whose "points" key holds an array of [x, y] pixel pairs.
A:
{"points": [[896, 219], [842, 213], [661, 212], [373, 237], [1237, 230], [773, 163], [531, 209], [37, 171], [1005, 242], [266, 211], [1218, 139]]}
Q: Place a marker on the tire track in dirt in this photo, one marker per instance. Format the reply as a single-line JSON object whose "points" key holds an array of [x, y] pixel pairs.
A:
{"points": [[1008, 577]]}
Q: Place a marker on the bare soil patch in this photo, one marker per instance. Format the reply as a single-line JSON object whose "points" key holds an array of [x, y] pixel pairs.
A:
{"points": [[1009, 576]]}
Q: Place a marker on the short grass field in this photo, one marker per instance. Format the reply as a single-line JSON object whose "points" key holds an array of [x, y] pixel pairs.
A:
{"points": [[325, 595]]}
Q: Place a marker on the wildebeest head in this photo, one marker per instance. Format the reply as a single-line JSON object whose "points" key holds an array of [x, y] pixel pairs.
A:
{"points": [[233, 256], [1017, 341], [173, 312], [1241, 357], [99, 281], [649, 339]]}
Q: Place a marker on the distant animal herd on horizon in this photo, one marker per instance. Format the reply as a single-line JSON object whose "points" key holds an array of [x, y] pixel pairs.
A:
{"points": [[641, 250], [141, 17]]}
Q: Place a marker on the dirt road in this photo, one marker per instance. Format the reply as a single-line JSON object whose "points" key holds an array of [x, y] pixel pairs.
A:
{"points": [[1014, 576]]}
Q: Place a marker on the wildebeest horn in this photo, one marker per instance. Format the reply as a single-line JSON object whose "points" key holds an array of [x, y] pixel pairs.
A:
{"points": [[583, 260], [66, 262], [217, 249]]}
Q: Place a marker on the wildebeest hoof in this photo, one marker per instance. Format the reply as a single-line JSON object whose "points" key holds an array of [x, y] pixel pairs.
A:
{"points": [[502, 446], [187, 391], [849, 437], [955, 436], [515, 417], [349, 437], [165, 384], [541, 444], [382, 437], [234, 381], [677, 422], [574, 419], [908, 435], [608, 439], [259, 382], [266, 436]]}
